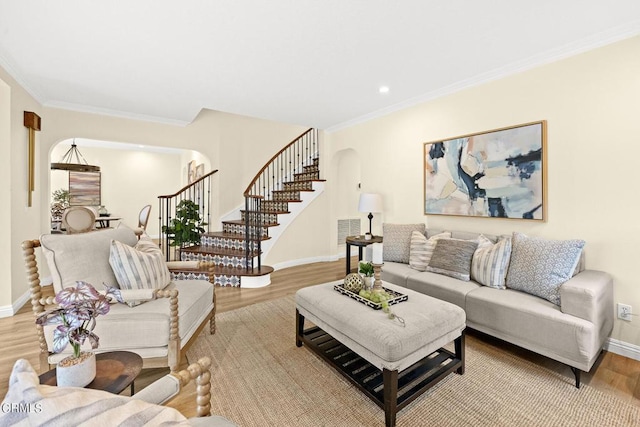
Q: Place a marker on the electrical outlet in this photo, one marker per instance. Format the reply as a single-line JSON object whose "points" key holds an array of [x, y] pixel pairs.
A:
{"points": [[624, 312]]}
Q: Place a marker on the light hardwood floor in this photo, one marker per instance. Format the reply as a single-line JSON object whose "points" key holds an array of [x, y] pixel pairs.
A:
{"points": [[612, 373]]}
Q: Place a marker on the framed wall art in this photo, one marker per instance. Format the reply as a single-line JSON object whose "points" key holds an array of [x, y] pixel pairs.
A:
{"points": [[496, 174], [84, 188]]}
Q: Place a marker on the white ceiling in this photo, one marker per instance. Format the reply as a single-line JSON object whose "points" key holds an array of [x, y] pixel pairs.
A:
{"points": [[310, 62]]}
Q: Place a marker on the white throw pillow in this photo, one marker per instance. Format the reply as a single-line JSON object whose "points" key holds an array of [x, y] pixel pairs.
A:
{"points": [[539, 266], [490, 262], [139, 267], [421, 249]]}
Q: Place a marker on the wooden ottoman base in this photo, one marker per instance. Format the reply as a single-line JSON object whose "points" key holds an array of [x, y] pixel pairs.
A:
{"points": [[390, 390]]}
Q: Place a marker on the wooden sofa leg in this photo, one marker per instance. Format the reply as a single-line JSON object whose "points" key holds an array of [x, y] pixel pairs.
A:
{"points": [[576, 373]]}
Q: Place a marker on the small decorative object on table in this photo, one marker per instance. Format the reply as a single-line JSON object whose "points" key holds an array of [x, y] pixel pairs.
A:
{"points": [[102, 211], [366, 270], [76, 318], [367, 236], [353, 282], [377, 266]]}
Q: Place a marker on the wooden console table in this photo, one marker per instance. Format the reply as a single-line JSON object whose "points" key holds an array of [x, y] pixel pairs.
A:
{"points": [[360, 242]]}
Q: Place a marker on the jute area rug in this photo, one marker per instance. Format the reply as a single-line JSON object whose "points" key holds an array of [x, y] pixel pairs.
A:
{"points": [[260, 378]]}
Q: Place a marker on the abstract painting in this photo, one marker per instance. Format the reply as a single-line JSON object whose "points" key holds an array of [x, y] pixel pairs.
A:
{"points": [[84, 188], [495, 174]]}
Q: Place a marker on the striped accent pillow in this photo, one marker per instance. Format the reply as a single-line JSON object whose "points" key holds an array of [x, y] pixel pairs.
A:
{"points": [[139, 267], [39, 405], [421, 249], [490, 262]]}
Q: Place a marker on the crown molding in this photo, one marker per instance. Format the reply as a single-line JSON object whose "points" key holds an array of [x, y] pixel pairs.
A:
{"points": [[572, 49]]}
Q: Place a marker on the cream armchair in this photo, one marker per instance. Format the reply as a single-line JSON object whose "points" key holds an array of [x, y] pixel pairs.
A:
{"points": [[27, 402], [160, 330]]}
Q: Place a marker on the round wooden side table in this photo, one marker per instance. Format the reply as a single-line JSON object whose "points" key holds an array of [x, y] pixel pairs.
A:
{"points": [[360, 242], [115, 371]]}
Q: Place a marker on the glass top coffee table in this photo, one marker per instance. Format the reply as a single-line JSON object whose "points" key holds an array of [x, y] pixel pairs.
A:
{"points": [[115, 371]]}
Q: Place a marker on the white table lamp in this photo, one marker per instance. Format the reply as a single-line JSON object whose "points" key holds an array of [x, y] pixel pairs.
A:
{"points": [[370, 202]]}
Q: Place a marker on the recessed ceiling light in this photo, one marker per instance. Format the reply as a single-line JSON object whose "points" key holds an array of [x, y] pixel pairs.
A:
{"points": [[383, 89]]}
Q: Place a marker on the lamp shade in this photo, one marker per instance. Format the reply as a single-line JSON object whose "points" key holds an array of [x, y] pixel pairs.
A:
{"points": [[370, 202]]}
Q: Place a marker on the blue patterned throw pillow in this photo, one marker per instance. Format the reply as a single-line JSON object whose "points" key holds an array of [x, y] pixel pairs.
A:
{"points": [[539, 266]]}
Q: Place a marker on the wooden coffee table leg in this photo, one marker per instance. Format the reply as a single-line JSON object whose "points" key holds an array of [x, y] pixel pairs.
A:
{"points": [[299, 328], [459, 345], [390, 381]]}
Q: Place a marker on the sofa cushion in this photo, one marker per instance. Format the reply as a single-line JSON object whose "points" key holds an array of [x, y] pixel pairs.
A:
{"points": [[539, 266], [490, 262], [452, 257], [139, 267], [397, 241], [421, 249], [147, 325], [397, 273], [533, 323], [442, 287], [85, 256]]}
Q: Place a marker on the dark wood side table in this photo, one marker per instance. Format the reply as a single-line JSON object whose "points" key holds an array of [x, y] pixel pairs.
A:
{"points": [[360, 242], [115, 371]]}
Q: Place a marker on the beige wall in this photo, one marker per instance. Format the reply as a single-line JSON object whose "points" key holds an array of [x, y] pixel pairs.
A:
{"points": [[591, 102]]}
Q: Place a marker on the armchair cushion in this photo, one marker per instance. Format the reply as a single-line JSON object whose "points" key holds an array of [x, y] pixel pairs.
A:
{"points": [[42, 404], [83, 256], [139, 267], [144, 329]]}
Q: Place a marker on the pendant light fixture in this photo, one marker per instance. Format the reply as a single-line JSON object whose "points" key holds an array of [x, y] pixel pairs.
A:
{"points": [[74, 161]]}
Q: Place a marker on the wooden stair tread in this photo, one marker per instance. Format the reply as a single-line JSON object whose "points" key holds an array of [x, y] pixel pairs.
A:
{"points": [[224, 235], [241, 222], [305, 180], [211, 250]]}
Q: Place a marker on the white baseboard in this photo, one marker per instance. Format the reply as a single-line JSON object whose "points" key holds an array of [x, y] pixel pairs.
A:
{"points": [[10, 310], [622, 348], [303, 261]]}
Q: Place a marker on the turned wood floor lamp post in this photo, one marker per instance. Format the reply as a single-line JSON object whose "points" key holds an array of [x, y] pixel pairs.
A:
{"points": [[32, 122]]}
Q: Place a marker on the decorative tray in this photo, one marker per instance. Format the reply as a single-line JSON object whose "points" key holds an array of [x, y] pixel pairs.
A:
{"points": [[396, 297]]}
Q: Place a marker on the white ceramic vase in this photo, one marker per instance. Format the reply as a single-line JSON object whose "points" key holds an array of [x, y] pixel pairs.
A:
{"points": [[76, 372], [368, 282]]}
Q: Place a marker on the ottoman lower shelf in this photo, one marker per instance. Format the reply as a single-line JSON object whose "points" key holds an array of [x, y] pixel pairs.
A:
{"points": [[391, 390]]}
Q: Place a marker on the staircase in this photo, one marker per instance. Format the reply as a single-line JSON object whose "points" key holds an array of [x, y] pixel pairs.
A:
{"points": [[237, 250]]}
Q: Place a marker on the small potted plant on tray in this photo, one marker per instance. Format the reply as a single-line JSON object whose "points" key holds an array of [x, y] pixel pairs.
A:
{"points": [[366, 270], [76, 318]]}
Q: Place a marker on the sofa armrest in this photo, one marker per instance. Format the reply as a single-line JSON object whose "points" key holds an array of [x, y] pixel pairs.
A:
{"points": [[589, 295]]}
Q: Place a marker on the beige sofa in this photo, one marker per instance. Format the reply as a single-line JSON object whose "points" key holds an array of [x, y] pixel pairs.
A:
{"points": [[572, 332]]}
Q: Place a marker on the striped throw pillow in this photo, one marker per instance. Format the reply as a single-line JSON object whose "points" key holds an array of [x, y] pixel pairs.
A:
{"points": [[421, 249], [490, 262], [139, 267]]}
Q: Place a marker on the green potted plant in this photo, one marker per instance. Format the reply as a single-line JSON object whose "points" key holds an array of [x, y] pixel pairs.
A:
{"points": [[187, 225], [78, 307], [60, 202], [366, 270]]}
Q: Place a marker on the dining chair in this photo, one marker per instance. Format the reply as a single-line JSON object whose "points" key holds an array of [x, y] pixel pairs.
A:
{"points": [[143, 218], [78, 219]]}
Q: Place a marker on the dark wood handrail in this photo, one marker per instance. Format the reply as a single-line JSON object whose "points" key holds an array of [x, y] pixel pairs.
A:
{"points": [[247, 192], [186, 187]]}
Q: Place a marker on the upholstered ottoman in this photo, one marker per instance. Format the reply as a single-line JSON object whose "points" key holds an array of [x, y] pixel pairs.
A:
{"points": [[391, 363]]}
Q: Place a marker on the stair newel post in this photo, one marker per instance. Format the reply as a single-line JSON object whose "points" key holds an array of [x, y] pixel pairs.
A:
{"points": [[247, 214]]}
